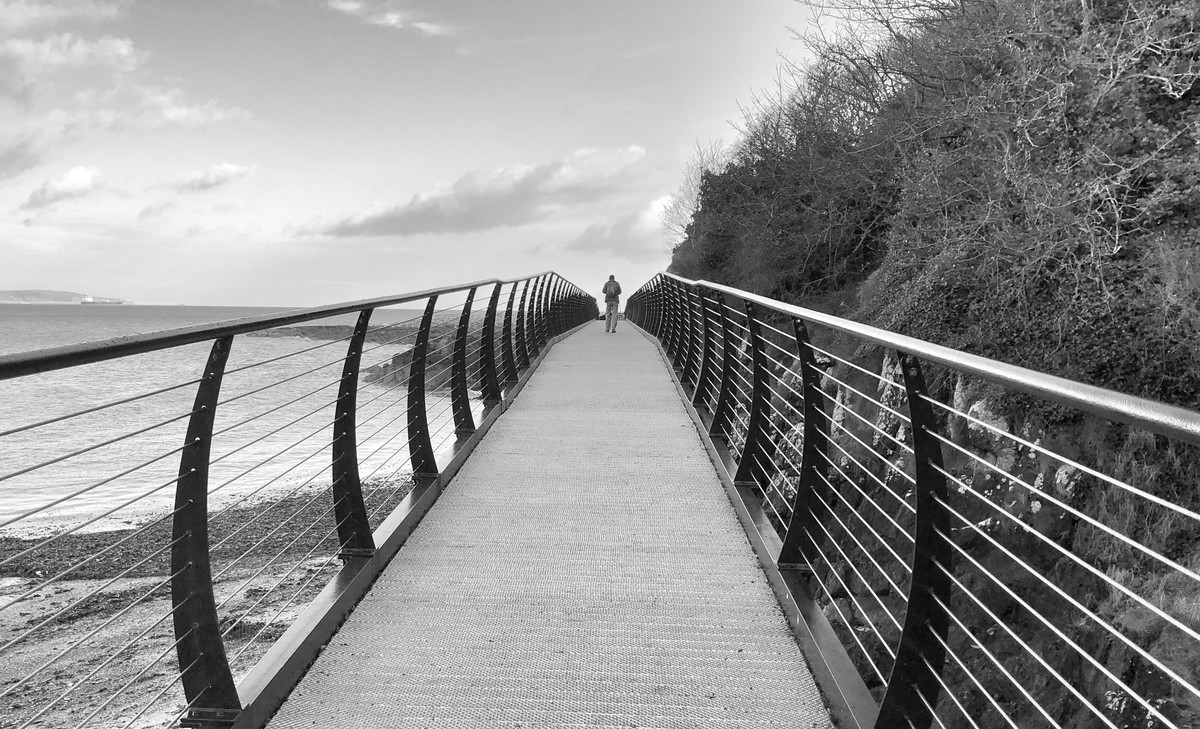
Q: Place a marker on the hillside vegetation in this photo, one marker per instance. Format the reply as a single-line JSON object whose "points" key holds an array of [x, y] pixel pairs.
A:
{"points": [[1019, 179]]}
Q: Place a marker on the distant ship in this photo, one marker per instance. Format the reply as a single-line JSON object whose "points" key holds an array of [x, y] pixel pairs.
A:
{"points": [[100, 300]]}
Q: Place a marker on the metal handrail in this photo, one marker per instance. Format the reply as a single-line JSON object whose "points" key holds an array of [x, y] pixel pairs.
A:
{"points": [[1009, 542], [1169, 420], [324, 513], [71, 355]]}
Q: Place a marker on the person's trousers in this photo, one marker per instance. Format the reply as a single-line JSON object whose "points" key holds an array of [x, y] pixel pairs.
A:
{"points": [[610, 316]]}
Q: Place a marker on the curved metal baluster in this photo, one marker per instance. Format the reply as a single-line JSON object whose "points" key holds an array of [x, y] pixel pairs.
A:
{"points": [[420, 448], [490, 373], [757, 457], [354, 529], [522, 351], [208, 685], [920, 657], [460, 398], [506, 336]]}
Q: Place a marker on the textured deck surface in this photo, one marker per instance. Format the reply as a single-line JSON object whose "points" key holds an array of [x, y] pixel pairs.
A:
{"points": [[584, 569]]}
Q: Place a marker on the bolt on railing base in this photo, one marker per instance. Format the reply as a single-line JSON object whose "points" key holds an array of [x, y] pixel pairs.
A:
{"points": [[201, 718]]}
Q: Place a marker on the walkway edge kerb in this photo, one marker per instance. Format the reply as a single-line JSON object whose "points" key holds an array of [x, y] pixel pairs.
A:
{"points": [[849, 702], [268, 684]]}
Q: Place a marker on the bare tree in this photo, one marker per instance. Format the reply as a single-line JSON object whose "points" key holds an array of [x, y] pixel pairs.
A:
{"points": [[677, 215]]}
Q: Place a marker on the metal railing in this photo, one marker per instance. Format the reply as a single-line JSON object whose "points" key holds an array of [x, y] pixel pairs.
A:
{"points": [[178, 549], [958, 542]]}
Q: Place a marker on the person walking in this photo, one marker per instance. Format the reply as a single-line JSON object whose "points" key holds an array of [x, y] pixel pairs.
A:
{"points": [[612, 300]]}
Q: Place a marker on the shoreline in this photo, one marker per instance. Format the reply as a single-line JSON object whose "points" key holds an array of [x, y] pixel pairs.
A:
{"points": [[267, 566]]}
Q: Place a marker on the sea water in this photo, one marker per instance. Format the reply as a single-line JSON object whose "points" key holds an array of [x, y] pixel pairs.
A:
{"points": [[273, 426]]}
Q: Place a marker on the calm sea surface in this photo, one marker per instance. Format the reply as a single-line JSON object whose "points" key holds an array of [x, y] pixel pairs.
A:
{"points": [[273, 425]]}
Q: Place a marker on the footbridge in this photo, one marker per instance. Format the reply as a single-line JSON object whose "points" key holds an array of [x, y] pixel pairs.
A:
{"points": [[475, 507]]}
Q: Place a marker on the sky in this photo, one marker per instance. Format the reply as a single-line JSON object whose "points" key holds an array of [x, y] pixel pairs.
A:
{"points": [[302, 152]]}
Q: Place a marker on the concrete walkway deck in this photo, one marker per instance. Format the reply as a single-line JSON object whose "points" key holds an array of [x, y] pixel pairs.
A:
{"points": [[584, 569]]}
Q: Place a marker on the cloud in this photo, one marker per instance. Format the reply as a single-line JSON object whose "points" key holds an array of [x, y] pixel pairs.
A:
{"points": [[78, 182], [13, 83], [214, 177], [38, 57], [16, 15], [167, 106], [383, 14], [16, 156], [635, 236], [155, 209], [507, 196]]}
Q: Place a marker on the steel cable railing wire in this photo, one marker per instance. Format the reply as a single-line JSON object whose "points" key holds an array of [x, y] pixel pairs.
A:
{"points": [[264, 461], [1138, 575], [249, 580], [77, 603], [245, 497], [287, 603], [1091, 615], [97, 408], [1100, 575], [266, 510], [903, 563], [765, 488], [258, 440], [91, 558], [183, 671], [874, 375], [995, 662], [970, 675], [1029, 650], [265, 413], [1078, 514], [106, 662], [832, 602], [861, 578], [80, 492], [432, 363], [868, 472], [1183, 511], [86, 637], [842, 385], [284, 381], [93, 447]]}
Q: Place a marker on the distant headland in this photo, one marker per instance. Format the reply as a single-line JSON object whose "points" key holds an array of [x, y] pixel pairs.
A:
{"points": [[47, 296]]}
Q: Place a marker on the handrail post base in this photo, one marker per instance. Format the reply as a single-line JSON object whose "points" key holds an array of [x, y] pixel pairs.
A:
{"points": [[202, 718]]}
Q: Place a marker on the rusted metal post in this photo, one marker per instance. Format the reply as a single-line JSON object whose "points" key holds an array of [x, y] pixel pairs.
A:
{"points": [[354, 528], [460, 397], [924, 619], [207, 681], [420, 448]]}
